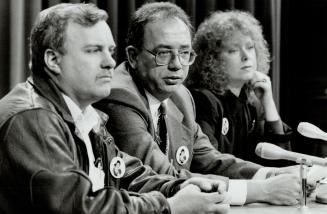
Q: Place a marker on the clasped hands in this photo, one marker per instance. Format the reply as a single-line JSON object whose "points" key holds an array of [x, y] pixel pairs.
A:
{"points": [[200, 195]]}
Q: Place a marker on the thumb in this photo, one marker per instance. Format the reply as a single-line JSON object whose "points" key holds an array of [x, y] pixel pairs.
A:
{"points": [[192, 187], [216, 198]]}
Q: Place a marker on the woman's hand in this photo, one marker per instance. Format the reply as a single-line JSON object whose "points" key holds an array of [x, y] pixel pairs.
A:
{"points": [[261, 85]]}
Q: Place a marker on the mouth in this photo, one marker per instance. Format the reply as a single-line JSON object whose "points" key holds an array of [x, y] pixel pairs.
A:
{"points": [[247, 68], [173, 80], [105, 77]]}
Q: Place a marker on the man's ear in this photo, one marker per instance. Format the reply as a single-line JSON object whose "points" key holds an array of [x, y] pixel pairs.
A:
{"points": [[52, 59], [132, 53]]}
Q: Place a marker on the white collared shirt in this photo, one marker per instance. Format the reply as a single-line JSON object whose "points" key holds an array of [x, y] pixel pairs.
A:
{"points": [[85, 121]]}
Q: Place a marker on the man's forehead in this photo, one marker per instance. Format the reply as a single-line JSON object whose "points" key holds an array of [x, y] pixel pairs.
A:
{"points": [[166, 31], [97, 33], [166, 24]]}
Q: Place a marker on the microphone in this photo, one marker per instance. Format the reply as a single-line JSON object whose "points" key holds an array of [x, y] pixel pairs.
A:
{"points": [[272, 152], [309, 130]]}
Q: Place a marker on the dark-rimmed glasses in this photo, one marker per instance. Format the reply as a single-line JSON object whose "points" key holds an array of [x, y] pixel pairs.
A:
{"points": [[163, 57]]}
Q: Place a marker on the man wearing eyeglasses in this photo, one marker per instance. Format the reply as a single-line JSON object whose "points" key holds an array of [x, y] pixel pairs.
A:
{"points": [[152, 115]]}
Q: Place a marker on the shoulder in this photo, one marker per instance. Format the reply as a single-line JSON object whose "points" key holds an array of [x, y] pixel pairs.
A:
{"points": [[183, 99], [124, 93], [204, 98], [202, 93], [22, 100]]}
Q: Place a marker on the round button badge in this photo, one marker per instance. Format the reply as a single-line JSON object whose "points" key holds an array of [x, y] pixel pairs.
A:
{"points": [[182, 155], [117, 167], [225, 126]]}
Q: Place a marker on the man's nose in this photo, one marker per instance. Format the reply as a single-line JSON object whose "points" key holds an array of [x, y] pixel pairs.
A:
{"points": [[108, 60], [175, 63]]}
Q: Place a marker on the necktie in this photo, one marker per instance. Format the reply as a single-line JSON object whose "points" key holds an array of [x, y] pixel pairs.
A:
{"points": [[162, 128]]}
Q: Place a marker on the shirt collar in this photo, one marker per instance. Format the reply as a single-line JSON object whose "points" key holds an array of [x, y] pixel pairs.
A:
{"points": [[85, 120], [154, 103]]}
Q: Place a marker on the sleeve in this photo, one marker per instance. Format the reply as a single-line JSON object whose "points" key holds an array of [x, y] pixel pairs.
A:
{"points": [[207, 159], [208, 115], [276, 132], [279, 133], [142, 178], [40, 168]]}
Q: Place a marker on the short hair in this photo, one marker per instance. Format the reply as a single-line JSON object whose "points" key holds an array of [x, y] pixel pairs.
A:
{"points": [[50, 26], [208, 71], [151, 12]]}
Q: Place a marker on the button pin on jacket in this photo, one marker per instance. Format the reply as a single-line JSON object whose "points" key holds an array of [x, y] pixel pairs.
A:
{"points": [[225, 126], [117, 167], [182, 155]]}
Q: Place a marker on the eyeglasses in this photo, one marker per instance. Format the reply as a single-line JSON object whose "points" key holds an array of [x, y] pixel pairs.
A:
{"points": [[163, 57]]}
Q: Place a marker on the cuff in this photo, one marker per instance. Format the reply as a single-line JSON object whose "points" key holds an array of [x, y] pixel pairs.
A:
{"points": [[275, 127], [237, 191]]}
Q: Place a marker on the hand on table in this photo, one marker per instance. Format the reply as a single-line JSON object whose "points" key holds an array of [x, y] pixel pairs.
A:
{"points": [[283, 189], [191, 200], [206, 185]]}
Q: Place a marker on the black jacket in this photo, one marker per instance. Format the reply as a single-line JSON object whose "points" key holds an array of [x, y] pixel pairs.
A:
{"points": [[246, 125], [44, 164]]}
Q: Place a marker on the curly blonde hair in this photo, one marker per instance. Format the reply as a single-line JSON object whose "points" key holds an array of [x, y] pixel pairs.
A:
{"points": [[208, 70]]}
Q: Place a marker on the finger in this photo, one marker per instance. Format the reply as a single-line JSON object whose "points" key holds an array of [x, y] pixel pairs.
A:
{"points": [[214, 197], [260, 84], [204, 185], [192, 181], [191, 187], [287, 202], [295, 201], [219, 208], [260, 81], [220, 186]]}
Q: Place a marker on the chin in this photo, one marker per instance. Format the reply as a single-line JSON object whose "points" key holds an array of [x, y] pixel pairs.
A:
{"points": [[172, 88], [247, 77], [104, 93]]}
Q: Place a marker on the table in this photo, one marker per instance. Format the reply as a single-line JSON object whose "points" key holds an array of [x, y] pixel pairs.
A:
{"points": [[260, 208]]}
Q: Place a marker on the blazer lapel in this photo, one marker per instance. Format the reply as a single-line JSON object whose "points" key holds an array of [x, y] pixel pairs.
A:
{"points": [[179, 134]]}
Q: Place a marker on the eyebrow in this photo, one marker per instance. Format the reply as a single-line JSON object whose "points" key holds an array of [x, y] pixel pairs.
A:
{"points": [[169, 47], [99, 46]]}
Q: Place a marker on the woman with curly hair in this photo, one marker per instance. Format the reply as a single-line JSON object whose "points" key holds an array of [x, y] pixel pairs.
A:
{"points": [[231, 88]]}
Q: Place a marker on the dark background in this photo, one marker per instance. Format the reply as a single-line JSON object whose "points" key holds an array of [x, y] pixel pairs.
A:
{"points": [[303, 69]]}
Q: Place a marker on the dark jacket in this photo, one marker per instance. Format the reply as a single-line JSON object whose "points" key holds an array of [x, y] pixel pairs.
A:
{"points": [[44, 164], [246, 125], [132, 126]]}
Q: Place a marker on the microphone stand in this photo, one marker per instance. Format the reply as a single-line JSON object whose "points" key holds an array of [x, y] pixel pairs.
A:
{"points": [[303, 176]]}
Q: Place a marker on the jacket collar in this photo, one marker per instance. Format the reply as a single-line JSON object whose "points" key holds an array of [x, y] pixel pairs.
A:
{"points": [[46, 87]]}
